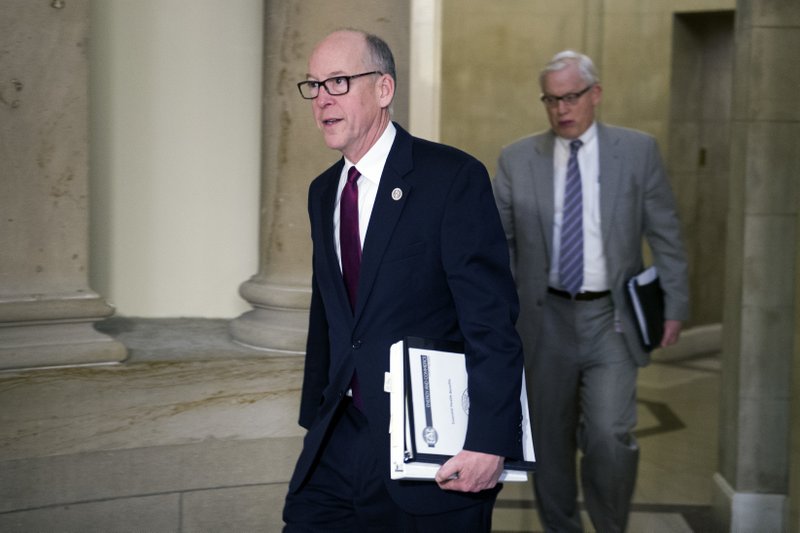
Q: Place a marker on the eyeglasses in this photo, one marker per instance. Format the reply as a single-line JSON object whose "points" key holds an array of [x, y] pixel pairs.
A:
{"points": [[336, 86], [569, 98]]}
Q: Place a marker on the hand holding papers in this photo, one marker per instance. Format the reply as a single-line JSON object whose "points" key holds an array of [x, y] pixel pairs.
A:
{"points": [[430, 410]]}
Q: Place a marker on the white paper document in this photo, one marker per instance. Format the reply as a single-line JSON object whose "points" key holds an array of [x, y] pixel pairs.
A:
{"points": [[446, 413], [429, 405]]}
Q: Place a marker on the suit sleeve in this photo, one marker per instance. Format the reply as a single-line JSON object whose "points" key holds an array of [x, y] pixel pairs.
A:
{"points": [[475, 258], [503, 196], [315, 374], [317, 361], [663, 234]]}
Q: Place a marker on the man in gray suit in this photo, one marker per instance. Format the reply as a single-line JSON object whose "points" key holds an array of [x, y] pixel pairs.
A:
{"points": [[576, 203]]}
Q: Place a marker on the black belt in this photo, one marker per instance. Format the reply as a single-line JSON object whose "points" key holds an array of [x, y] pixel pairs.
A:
{"points": [[584, 296]]}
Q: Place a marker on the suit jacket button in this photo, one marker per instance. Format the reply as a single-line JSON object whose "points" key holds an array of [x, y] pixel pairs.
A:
{"points": [[356, 345]]}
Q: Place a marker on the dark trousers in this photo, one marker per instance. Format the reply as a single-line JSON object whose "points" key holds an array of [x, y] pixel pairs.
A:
{"points": [[346, 492]]}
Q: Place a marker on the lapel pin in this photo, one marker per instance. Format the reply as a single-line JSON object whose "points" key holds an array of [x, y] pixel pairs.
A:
{"points": [[397, 194]]}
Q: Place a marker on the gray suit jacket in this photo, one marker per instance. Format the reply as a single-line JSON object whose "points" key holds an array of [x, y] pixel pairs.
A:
{"points": [[636, 203]]}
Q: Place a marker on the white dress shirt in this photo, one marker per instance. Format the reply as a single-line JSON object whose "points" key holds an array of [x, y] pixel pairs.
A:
{"points": [[595, 277], [371, 169]]}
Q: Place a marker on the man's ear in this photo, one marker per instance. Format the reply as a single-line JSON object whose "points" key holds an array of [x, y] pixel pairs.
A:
{"points": [[597, 93], [385, 88]]}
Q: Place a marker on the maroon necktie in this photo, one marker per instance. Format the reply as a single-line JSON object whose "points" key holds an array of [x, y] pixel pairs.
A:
{"points": [[349, 238], [350, 247]]}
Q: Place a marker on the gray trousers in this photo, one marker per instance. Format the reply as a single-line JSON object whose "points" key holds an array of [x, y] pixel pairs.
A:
{"points": [[584, 397]]}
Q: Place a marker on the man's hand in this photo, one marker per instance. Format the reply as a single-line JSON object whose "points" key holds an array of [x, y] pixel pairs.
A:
{"points": [[672, 332], [470, 472]]}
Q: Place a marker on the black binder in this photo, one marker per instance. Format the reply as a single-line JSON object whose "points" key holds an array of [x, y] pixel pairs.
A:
{"points": [[647, 300]]}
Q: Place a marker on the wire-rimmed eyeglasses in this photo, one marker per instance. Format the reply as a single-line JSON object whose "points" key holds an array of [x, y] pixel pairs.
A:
{"points": [[569, 98], [336, 86]]}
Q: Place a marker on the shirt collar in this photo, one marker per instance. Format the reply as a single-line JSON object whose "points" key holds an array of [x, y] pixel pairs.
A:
{"points": [[587, 137], [371, 165]]}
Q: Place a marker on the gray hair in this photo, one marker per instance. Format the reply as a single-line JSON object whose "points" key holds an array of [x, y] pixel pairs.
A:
{"points": [[381, 55], [561, 60]]}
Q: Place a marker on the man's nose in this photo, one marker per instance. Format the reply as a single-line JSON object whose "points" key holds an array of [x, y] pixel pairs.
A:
{"points": [[323, 99]]}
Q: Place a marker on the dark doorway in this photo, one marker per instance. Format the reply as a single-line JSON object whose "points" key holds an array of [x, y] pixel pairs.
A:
{"points": [[699, 153]]}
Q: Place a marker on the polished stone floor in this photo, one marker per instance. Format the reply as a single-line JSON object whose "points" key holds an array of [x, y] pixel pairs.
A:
{"points": [[677, 431], [196, 434]]}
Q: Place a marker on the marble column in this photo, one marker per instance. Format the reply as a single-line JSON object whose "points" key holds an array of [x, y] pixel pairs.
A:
{"points": [[47, 309], [752, 483], [293, 154]]}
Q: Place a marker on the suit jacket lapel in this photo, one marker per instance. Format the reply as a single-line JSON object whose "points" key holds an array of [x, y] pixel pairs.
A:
{"points": [[385, 213], [544, 188], [329, 249], [611, 173]]}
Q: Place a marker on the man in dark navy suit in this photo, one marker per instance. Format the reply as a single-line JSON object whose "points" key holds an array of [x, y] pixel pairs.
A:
{"points": [[430, 260]]}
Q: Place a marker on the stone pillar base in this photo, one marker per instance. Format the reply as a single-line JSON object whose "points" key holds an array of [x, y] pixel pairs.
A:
{"points": [[59, 344], [747, 512], [55, 330], [278, 323], [276, 331]]}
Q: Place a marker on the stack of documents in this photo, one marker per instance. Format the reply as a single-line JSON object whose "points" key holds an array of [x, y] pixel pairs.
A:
{"points": [[429, 404]]}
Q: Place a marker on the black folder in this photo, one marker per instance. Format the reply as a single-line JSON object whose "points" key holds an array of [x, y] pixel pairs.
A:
{"points": [[647, 300]]}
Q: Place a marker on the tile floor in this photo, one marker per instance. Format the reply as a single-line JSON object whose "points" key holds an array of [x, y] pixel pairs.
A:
{"points": [[677, 432]]}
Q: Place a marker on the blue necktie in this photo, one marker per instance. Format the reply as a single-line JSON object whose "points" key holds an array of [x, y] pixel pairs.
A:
{"points": [[571, 260]]}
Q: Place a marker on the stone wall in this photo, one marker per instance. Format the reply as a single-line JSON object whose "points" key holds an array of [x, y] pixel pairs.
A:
{"points": [[492, 53]]}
